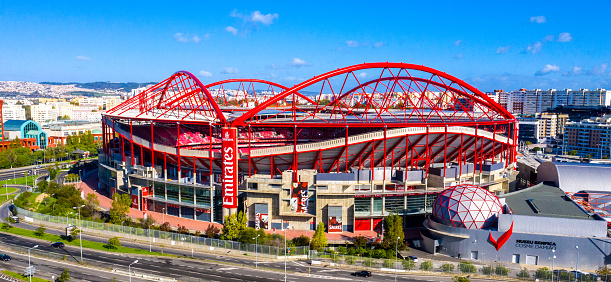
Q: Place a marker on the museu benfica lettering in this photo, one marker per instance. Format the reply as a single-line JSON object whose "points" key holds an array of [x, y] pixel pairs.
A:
{"points": [[230, 168]]}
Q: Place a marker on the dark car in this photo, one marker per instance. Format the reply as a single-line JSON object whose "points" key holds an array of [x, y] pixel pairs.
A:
{"points": [[57, 245], [4, 257], [363, 273], [413, 258]]}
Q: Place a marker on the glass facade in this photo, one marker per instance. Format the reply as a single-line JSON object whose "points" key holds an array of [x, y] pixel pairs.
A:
{"points": [[378, 205], [186, 194], [172, 190], [159, 190], [362, 205], [394, 204], [202, 197]]}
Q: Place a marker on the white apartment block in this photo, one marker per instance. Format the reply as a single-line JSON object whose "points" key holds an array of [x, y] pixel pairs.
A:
{"points": [[16, 112], [43, 113], [529, 102]]}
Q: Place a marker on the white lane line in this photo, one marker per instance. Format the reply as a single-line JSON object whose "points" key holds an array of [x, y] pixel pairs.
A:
{"points": [[227, 268]]}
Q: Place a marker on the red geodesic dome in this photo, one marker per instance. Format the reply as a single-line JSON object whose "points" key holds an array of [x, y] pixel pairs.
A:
{"points": [[467, 206]]}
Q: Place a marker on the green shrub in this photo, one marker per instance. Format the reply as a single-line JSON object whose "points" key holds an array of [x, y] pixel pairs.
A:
{"points": [[501, 270], [543, 273], [65, 276], [342, 250], [426, 265], [40, 231], [409, 264], [447, 267], [369, 262], [349, 260], [523, 274], [388, 263], [487, 270], [467, 267], [113, 243], [460, 279]]}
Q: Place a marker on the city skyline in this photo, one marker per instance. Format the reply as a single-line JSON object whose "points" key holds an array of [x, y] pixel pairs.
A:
{"points": [[491, 46]]}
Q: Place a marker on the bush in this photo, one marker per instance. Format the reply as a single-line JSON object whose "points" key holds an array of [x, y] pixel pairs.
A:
{"points": [[302, 241], [369, 262], [523, 274], [501, 270], [212, 231], [349, 260], [388, 263], [342, 250], [408, 264], [426, 265], [460, 279], [40, 231], [113, 243], [65, 276], [467, 267], [487, 270], [543, 273], [182, 230], [447, 267], [197, 233], [360, 242]]}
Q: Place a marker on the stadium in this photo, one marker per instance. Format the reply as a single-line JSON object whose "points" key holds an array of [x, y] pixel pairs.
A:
{"points": [[345, 148]]}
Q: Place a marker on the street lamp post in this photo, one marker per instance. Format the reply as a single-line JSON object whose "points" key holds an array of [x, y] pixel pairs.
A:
{"points": [[163, 216], [577, 262], [80, 233], [129, 267], [29, 263], [553, 258], [256, 257], [396, 249]]}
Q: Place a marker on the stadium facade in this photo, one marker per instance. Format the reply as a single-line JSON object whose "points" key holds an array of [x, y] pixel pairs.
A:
{"points": [[345, 148]]}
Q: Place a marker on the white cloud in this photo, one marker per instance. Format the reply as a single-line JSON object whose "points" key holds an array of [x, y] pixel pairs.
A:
{"points": [[378, 44], [205, 74], [362, 75], [548, 69], [575, 71], [534, 48], [457, 42], [458, 56], [564, 37], [352, 43], [502, 50], [264, 19], [196, 39], [231, 30], [298, 63], [599, 70], [207, 36], [538, 19], [83, 58], [229, 71], [180, 37], [548, 38]]}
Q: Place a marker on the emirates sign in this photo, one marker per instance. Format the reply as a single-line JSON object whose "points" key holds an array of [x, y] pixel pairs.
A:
{"points": [[230, 168]]}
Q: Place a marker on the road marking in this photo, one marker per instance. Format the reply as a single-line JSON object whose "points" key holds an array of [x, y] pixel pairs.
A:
{"points": [[227, 268]]}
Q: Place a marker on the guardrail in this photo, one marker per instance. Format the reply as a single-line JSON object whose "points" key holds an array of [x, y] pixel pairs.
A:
{"points": [[167, 238]]}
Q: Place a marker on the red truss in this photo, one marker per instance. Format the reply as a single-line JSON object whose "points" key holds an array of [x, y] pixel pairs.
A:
{"points": [[243, 92], [467, 206]]}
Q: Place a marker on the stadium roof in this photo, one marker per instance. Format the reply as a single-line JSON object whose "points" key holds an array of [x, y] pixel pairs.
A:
{"points": [[543, 200], [573, 177]]}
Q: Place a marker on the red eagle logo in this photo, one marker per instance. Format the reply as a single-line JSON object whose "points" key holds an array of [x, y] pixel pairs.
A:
{"points": [[502, 240]]}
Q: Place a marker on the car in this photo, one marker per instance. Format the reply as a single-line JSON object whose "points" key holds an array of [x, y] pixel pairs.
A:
{"points": [[58, 245], [362, 273], [15, 219], [4, 257], [413, 258]]}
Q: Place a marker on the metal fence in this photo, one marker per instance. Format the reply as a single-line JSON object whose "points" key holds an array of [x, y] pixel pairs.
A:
{"points": [[67, 257], [174, 238], [493, 271]]}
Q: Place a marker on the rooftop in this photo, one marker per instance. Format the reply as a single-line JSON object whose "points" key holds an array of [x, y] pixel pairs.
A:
{"points": [[543, 200]]}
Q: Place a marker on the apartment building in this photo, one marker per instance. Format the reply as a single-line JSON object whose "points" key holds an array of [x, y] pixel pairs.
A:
{"points": [[589, 137], [43, 113], [529, 102]]}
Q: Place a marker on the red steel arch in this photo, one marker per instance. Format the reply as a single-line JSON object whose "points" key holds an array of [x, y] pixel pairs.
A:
{"points": [[181, 97], [491, 111], [247, 86]]}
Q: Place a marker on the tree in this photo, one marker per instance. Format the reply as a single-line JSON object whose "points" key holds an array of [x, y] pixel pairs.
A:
{"points": [[426, 265], [360, 241], [65, 276], [302, 241], [319, 240], [146, 223], [447, 267], [165, 227], [182, 230], [92, 205], [212, 231], [573, 153], [393, 225], [537, 149], [40, 231], [233, 225], [42, 186], [408, 264], [120, 208], [466, 267]]}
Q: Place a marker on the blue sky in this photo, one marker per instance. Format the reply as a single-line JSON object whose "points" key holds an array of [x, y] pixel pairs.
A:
{"points": [[489, 44]]}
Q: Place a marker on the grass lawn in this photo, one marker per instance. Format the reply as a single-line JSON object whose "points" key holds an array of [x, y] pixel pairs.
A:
{"points": [[86, 244], [24, 278], [20, 180]]}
